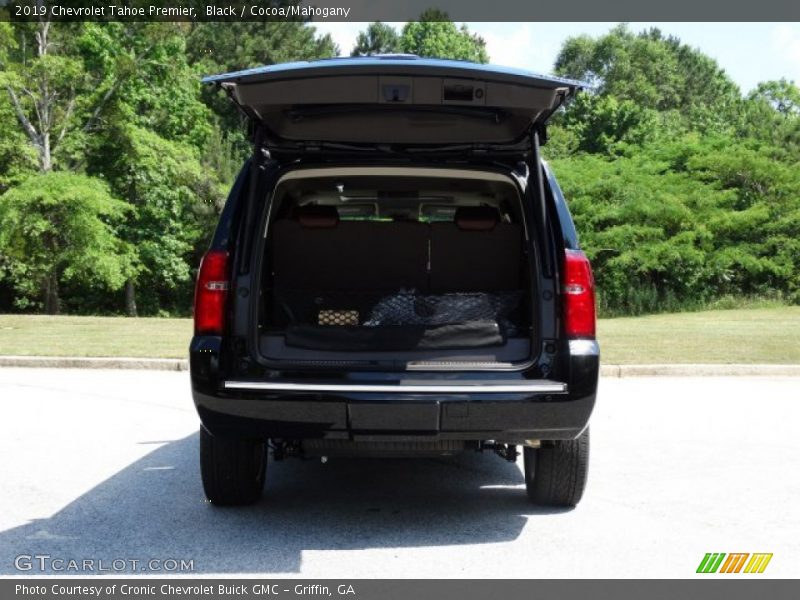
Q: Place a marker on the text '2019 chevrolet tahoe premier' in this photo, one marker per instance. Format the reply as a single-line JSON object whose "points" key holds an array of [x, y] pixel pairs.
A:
{"points": [[395, 273]]}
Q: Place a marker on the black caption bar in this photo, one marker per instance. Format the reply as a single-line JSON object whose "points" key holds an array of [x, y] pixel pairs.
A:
{"points": [[400, 10], [377, 589]]}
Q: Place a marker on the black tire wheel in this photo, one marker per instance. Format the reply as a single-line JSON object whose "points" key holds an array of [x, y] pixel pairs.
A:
{"points": [[555, 475], [232, 469]]}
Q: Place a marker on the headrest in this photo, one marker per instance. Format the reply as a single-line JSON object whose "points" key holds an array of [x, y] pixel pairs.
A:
{"points": [[316, 216], [476, 218]]}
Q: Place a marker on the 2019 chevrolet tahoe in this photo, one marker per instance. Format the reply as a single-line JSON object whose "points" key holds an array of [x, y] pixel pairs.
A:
{"points": [[395, 273]]}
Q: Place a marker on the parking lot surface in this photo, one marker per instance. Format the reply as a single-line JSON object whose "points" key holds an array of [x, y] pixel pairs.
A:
{"points": [[102, 465]]}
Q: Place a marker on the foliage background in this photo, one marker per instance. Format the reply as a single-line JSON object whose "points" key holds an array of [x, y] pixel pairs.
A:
{"points": [[114, 162]]}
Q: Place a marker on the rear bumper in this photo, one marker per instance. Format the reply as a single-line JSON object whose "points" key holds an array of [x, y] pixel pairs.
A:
{"points": [[505, 410], [462, 418]]}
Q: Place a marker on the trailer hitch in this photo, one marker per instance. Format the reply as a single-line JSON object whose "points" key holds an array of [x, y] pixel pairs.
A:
{"points": [[507, 451], [282, 449]]}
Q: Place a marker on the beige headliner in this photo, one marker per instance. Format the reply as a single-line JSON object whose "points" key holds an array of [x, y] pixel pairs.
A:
{"points": [[308, 173], [395, 172]]}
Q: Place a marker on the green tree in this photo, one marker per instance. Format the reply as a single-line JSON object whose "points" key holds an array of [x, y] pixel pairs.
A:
{"points": [[756, 230], [58, 227], [231, 46], [783, 96], [378, 38], [147, 80], [155, 131], [772, 115], [639, 226], [604, 124], [435, 36], [17, 157], [44, 85], [655, 72], [681, 222], [174, 201], [217, 47], [63, 80]]}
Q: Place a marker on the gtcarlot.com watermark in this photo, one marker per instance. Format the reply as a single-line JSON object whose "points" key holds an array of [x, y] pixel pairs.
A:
{"points": [[60, 564]]}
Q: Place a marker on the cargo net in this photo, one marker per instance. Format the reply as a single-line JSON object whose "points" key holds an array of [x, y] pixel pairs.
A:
{"points": [[405, 307], [408, 308]]}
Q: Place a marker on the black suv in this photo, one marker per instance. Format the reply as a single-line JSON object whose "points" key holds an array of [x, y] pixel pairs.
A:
{"points": [[395, 273]]}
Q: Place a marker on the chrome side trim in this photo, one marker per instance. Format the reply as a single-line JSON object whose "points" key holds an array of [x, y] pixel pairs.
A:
{"points": [[488, 388]]}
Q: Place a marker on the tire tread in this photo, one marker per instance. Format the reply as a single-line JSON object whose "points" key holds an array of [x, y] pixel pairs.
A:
{"points": [[556, 475], [232, 469]]}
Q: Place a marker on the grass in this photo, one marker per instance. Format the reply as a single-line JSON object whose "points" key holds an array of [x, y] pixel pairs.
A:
{"points": [[758, 335], [28, 335], [755, 335]]}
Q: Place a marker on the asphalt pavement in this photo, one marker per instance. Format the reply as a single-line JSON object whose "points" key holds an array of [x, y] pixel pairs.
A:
{"points": [[102, 466]]}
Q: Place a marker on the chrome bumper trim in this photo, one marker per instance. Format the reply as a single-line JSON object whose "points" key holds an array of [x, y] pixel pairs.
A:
{"points": [[481, 388]]}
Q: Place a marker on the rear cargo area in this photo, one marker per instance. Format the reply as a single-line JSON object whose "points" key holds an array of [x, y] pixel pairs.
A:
{"points": [[396, 268]]}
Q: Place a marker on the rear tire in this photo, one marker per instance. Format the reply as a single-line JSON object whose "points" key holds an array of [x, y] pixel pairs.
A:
{"points": [[232, 469], [556, 475]]}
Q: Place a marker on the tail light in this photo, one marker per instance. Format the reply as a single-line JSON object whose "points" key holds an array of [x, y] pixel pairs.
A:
{"points": [[578, 296], [211, 294]]}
